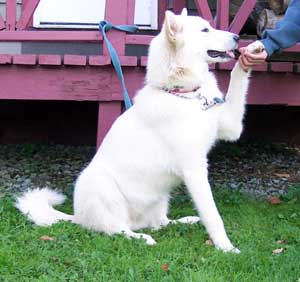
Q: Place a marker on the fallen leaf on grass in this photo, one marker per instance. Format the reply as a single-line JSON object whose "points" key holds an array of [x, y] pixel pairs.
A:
{"points": [[281, 241], [285, 175], [274, 200], [209, 242], [278, 251], [165, 267], [47, 238]]}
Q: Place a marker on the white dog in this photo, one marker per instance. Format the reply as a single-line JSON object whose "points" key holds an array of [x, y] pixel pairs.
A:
{"points": [[160, 141]]}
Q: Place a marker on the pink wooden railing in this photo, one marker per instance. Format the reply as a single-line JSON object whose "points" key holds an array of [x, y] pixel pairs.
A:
{"points": [[92, 77]]}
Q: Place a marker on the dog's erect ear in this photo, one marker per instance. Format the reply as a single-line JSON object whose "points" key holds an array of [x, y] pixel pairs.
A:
{"points": [[184, 12], [173, 26]]}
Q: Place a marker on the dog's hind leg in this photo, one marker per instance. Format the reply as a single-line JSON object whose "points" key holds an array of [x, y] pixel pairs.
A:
{"points": [[159, 218], [187, 220], [130, 234]]}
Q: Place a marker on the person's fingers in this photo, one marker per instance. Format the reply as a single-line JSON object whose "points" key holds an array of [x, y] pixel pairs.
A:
{"points": [[253, 61], [257, 57], [243, 63], [243, 50]]}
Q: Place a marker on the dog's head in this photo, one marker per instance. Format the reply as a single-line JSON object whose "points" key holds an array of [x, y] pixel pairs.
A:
{"points": [[196, 35], [180, 54]]}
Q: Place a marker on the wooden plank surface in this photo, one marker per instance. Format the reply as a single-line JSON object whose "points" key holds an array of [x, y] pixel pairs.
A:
{"points": [[24, 59], [75, 60], [84, 83], [50, 60], [5, 59]]}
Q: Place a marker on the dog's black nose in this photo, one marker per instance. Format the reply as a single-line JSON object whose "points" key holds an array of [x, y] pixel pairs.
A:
{"points": [[236, 38]]}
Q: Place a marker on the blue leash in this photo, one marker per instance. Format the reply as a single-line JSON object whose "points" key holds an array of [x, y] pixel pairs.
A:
{"points": [[106, 26]]}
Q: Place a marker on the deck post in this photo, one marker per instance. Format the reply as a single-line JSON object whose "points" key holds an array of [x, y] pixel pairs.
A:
{"points": [[107, 114]]}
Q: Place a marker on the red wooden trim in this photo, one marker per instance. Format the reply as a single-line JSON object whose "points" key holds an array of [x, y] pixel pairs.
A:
{"points": [[24, 59], [5, 59], [50, 36], [27, 14], [242, 16], [128, 61], [204, 11], [212, 66], [282, 66], [24, 3], [144, 60], [261, 67], [162, 7], [99, 60], [66, 83], [2, 24], [116, 16], [130, 11], [222, 20], [50, 60], [101, 84], [178, 5], [295, 48], [226, 66], [107, 114], [75, 60], [268, 88], [138, 39], [11, 14], [229, 66]]}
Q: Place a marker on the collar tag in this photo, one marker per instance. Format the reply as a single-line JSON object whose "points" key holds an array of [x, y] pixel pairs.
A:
{"points": [[195, 93]]}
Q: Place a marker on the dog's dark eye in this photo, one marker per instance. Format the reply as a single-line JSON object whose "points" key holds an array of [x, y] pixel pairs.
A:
{"points": [[205, 30]]}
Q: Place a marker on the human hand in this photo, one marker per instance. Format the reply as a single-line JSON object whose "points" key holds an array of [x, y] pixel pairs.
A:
{"points": [[251, 55]]}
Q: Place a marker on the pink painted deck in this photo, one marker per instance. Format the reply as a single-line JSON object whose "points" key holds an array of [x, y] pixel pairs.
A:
{"points": [[92, 78]]}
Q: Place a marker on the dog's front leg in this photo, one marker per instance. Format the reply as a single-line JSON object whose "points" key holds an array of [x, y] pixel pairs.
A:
{"points": [[230, 124], [197, 183]]}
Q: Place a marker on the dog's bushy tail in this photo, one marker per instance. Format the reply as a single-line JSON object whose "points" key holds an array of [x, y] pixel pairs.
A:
{"points": [[38, 204]]}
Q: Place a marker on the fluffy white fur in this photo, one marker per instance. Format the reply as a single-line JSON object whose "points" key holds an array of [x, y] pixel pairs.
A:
{"points": [[158, 143]]}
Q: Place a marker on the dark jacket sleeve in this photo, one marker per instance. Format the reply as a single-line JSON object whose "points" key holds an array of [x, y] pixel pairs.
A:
{"points": [[287, 31]]}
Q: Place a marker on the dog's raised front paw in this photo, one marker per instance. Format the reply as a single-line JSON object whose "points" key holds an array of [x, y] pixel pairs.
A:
{"points": [[255, 47]]}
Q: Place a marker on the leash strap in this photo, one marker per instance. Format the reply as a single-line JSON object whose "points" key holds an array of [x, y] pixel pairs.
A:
{"points": [[106, 26]]}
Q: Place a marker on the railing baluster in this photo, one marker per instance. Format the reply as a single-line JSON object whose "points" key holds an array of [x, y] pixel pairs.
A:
{"points": [[130, 11], [2, 24], [116, 13], [242, 16], [27, 14], [204, 11], [11, 14], [178, 5], [222, 18], [162, 7]]}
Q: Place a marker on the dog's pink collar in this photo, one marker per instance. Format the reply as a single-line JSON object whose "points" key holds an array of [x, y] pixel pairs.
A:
{"points": [[195, 94], [179, 90]]}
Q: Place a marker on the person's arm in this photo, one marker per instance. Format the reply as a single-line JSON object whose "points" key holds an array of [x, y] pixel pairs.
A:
{"points": [[286, 32]]}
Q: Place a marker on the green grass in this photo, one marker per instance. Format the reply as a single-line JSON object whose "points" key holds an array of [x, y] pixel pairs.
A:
{"points": [[77, 254]]}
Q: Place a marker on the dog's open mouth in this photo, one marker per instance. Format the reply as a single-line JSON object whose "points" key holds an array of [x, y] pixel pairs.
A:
{"points": [[232, 54]]}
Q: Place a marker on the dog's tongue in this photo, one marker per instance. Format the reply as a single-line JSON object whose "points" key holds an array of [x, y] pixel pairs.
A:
{"points": [[231, 54]]}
